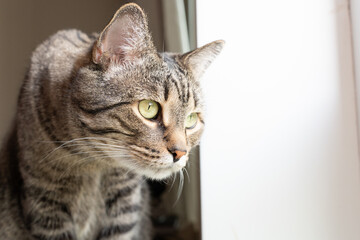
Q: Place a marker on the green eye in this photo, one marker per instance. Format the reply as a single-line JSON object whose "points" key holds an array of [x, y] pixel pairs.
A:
{"points": [[148, 108], [191, 120]]}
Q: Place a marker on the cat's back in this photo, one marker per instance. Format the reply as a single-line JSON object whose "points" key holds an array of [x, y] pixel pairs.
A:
{"points": [[53, 64], [61, 52]]}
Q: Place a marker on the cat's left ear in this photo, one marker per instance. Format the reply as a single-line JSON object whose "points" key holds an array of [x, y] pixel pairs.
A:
{"points": [[125, 39], [200, 59]]}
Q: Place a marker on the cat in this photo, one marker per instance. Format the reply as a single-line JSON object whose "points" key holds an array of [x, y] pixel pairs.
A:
{"points": [[97, 115]]}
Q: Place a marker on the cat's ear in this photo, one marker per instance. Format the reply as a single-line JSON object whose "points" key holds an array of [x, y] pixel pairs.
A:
{"points": [[125, 38], [200, 59]]}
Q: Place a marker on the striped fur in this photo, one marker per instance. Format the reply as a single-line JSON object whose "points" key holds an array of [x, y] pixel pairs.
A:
{"points": [[75, 163]]}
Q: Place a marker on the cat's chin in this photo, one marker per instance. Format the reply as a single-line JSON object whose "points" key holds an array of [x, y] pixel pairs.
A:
{"points": [[163, 173], [157, 175]]}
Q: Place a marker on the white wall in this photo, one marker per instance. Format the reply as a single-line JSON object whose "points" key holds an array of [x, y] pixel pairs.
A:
{"points": [[355, 22], [279, 158]]}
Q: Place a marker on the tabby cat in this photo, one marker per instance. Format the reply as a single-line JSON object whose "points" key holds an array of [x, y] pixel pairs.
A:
{"points": [[97, 115]]}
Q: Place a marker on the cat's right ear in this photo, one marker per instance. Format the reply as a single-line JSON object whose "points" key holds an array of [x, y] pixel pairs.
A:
{"points": [[200, 59], [124, 39]]}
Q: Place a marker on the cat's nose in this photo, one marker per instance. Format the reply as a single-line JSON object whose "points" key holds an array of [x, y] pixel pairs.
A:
{"points": [[177, 154]]}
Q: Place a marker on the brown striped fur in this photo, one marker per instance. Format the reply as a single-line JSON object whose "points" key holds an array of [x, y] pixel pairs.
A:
{"points": [[75, 163]]}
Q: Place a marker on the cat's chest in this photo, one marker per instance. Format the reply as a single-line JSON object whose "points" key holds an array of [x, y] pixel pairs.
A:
{"points": [[88, 208], [116, 197]]}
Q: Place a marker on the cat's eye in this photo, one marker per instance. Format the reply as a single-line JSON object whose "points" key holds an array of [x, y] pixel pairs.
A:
{"points": [[191, 120], [148, 109]]}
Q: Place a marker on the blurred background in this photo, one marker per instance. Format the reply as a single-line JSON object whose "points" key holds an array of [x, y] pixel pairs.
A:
{"points": [[279, 158]]}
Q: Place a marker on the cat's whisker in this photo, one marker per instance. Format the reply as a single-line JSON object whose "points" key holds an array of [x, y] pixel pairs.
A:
{"points": [[80, 142], [109, 149], [64, 144], [106, 153], [180, 187], [90, 143], [86, 138], [143, 181], [187, 174], [173, 181], [87, 152], [59, 147], [127, 172]]}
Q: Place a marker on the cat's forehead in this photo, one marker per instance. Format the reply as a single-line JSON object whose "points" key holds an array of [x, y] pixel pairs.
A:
{"points": [[173, 65], [179, 86]]}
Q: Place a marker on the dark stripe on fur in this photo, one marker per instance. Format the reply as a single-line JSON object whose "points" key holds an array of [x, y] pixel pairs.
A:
{"points": [[182, 71], [61, 236], [123, 124], [42, 197], [118, 181], [120, 172], [80, 37], [115, 230], [101, 109], [182, 85], [150, 149], [182, 74], [42, 103], [48, 222], [124, 192], [196, 99], [69, 40], [170, 79], [166, 91], [103, 130], [59, 205], [142, 154], [188, 90], [43, 174], [124, 210]]}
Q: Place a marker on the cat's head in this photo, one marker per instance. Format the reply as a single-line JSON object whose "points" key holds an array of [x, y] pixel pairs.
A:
{"points": [[143, 107]]}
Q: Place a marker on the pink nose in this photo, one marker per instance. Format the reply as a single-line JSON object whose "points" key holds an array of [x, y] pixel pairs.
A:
{"points": [[177, 154]]}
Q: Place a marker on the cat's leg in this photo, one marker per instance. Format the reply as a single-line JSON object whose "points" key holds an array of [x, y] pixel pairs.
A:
{"points": [[126, 207]]}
